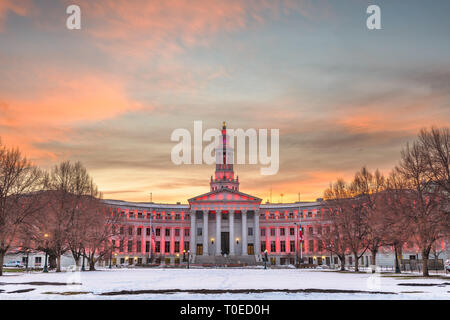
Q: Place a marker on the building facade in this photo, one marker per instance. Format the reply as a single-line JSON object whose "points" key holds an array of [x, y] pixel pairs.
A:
{"points": [[225, 226]]}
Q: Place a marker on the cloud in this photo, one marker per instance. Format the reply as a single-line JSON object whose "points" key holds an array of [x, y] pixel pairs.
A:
{"points": [[21, 8], [58, 102]]}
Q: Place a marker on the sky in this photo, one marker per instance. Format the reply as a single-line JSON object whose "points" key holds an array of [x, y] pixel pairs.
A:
{"points": [[110, 95]]}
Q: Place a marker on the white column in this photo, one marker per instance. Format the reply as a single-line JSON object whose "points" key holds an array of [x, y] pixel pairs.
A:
{"points": [[218, 233], [257, 244], [244, 232], [205, 233], [231, 214], [193, 233]]}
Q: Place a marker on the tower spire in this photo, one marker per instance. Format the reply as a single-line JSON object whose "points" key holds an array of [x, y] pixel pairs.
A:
{"points": [[224, 175]]}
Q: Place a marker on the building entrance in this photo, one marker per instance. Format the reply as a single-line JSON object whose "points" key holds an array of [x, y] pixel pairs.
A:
{"points": [[225, 242]]}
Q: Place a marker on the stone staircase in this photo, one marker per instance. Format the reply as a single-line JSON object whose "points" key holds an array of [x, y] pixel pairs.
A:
{"points": [[226, 260]]}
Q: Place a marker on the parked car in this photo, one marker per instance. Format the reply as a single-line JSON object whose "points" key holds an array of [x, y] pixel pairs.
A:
{"points": [[447, 265], [16, 264]]}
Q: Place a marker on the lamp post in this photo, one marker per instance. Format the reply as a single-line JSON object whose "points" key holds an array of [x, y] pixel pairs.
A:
{"points": [[296, 242], [46, 253]]}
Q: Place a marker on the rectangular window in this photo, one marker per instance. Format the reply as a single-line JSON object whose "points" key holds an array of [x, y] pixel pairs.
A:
{"points": [[292, 246], [122, 260], [120, 245], [158, 232], [263, 233], [273, 247], [309, 214], [199, 231], [319, 245], [311, 246], [147, 231], [281, 231], [139, 231], [138, 246], [250, 231], [167, 246], [130, 245], [282, 246], [147, 246], [130, 231], [292, 231], [38, 260], [177, 232], [263, 246], [186, 245], [158, 247], [186, 232], [311, 230], [291, 215], [177, 246], [272, 232], [140, 215], [167, 232], [177, 216]]}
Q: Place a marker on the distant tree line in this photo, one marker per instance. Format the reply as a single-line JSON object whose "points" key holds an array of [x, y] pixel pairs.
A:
{"points": [[410, 205]]}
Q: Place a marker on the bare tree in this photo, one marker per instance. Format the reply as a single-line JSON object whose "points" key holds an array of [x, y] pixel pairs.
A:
{"points": [[435, 146], [20, 183], [99, 232], [427, 219], [367, 189], [68, 187]]}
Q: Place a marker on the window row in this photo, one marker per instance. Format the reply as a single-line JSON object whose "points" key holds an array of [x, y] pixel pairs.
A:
{"points": [[167, 233]]}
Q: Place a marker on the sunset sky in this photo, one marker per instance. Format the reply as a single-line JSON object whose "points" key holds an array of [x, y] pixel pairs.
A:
{"points": [[111, 94]]}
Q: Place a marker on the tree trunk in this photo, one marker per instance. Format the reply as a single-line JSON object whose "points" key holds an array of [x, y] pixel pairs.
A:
{"points": [[52, 261], [373, 259], [397, 266], [58, 266], [356, 261], [2, 257], [425, 254], [342, 258], [91, 265]]}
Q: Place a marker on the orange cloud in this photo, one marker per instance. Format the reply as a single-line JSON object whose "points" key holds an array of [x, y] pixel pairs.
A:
{"points": [[21, 8], [147, 28], [51, 112]]}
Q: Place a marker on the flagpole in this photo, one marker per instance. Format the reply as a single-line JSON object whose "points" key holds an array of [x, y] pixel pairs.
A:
{"points": [[151, 237]]}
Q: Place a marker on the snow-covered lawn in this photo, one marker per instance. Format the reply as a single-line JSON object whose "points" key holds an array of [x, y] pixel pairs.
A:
{"points": [[92, 284]]}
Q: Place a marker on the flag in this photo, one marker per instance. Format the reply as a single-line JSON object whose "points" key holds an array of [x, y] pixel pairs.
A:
{"points": [[153, 233], [300, 233]]}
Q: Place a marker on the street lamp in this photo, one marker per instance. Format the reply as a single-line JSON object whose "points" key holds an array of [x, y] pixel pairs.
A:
{"points": [[46, 253]]}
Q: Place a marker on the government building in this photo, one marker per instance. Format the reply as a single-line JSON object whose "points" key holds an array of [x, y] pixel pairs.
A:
{"points": [[223, 226], [226, 227]]}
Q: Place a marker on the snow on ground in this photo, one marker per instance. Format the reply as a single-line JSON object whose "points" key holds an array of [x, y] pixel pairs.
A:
{"points": [[97, 282]]}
